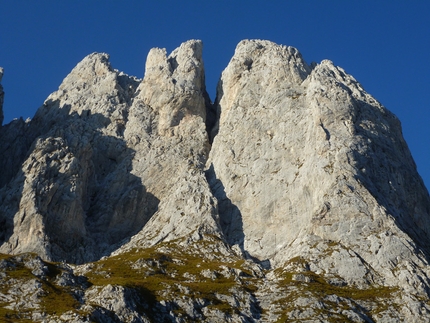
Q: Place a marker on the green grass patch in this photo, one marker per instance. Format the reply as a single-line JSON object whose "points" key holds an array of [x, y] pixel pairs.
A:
{"points": [[320, 287], [167, 267], [10, 316], [164, 272], [316, 286], [52, 299]]}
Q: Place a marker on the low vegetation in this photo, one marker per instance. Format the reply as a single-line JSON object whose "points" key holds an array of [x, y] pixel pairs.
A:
{"points": [[372, 300], [52, 299], [166, 272]]}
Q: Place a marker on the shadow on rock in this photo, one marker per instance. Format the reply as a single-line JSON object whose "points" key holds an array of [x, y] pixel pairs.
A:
{"points": [[229, 213], [75, 188], [230, 217], [388, 171]]}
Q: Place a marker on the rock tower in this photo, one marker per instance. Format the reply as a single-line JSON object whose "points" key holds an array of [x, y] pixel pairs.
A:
{"points": [[293, 197]]}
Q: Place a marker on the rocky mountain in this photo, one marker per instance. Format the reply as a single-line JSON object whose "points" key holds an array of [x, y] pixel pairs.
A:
{"points": [[292, 198]]}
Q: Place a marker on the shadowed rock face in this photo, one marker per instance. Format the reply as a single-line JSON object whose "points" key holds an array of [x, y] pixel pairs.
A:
{"points": [[295, 169], [90, 170]]}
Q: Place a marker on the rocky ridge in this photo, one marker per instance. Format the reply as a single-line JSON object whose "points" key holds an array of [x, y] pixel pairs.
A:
{"points": [[126, 200]]}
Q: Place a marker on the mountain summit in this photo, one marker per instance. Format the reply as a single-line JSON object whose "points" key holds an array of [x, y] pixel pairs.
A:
{"points": [[292, 198]]}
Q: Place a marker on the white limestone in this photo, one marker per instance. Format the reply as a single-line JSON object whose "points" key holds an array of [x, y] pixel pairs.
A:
{"points": [[307, 176]]}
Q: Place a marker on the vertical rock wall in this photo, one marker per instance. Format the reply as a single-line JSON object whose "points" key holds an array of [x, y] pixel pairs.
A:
{"points": [[305, 162], [306, 174], [105, 154]]}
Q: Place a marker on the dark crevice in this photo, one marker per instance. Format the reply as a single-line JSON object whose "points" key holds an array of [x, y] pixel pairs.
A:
{"points": [[213, 113], [211, 117], [173, 63], [327, 133], [231, 221], [230, 216]]}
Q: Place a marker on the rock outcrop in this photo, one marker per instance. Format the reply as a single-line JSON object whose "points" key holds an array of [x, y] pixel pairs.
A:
{"points": [[104, 153], [293, 197], [315, 153]]}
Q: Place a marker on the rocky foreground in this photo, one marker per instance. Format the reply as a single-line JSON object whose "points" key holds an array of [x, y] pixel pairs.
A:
{"points": [[292, 198]]}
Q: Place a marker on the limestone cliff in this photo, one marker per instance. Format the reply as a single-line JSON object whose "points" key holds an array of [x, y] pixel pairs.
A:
{"points": [[124, 200], [319, 155], [107, 152]]}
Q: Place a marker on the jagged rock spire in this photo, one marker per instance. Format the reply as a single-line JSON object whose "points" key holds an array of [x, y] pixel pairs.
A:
{"points": [[307, 206], [105, 152]]}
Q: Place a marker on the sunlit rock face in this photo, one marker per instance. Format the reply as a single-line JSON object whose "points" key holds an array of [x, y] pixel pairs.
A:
{"points": [[304, 156], [107, 152], [293, 197]]}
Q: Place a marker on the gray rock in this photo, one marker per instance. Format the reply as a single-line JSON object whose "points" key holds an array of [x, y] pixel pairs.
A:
{"points": [[115, 301], [295, 194], [311, 150], [99, 164]]}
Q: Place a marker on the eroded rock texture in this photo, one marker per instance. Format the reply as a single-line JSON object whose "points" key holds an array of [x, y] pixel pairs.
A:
{"points": [[300, 201], [103, 154], [305, 157]]}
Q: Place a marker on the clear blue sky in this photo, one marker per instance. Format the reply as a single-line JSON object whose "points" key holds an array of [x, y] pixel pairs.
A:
{"points": [[385, 45]]}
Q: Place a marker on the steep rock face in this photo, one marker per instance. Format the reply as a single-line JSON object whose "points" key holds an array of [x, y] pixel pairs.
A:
{"points": [[97, 167], [307, 164], [252, 145], [167, 131], [75, 148], [306, 206], [175, 85]]}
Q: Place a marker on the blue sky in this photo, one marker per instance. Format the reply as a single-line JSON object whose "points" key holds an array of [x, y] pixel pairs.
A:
{"points": [[384, 44]]}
